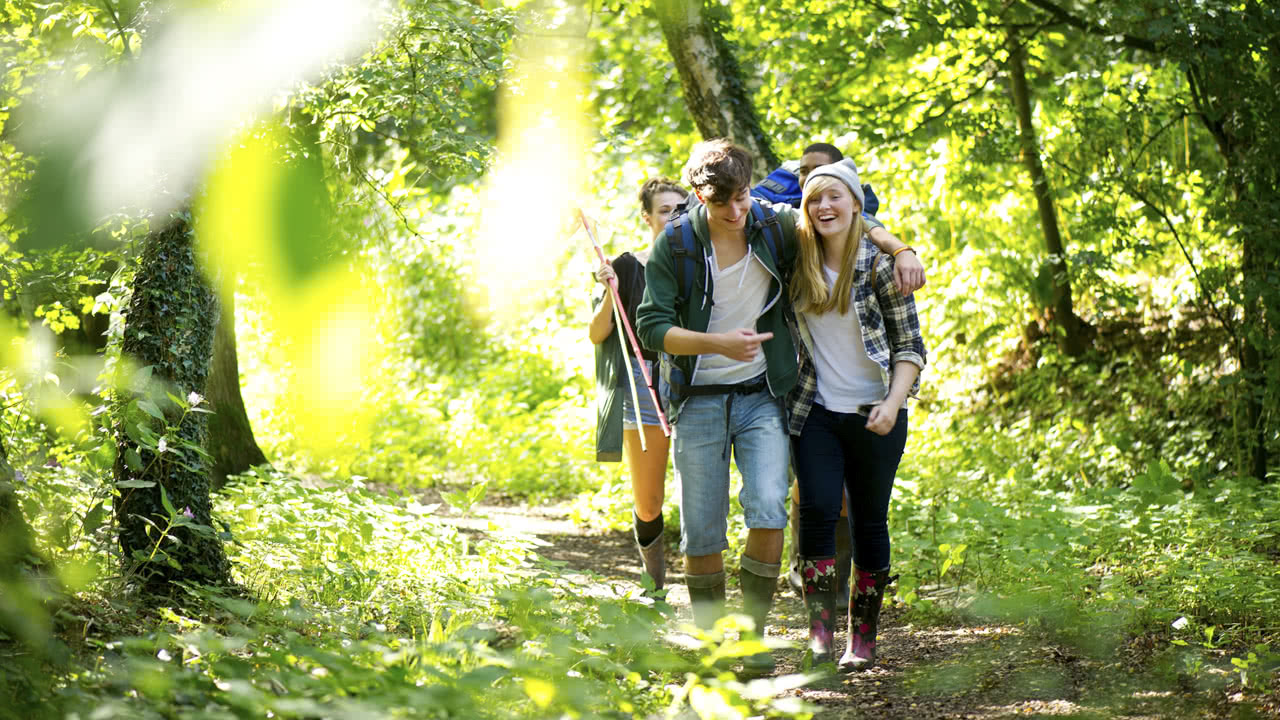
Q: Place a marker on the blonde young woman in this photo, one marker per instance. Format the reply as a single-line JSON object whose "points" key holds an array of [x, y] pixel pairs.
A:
{"points": [[616, 426], [860, 357]]}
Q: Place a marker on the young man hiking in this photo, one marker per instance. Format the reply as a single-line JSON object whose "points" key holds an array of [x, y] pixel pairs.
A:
{"points": [[715, 303]]}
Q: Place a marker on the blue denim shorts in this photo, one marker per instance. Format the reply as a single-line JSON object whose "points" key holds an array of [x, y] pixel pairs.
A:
{"points": [[754, 428], [648, 413]]}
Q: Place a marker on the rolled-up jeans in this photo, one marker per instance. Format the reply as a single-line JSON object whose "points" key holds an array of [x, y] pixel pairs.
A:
{"points": [[753, 427], [835, 451]]}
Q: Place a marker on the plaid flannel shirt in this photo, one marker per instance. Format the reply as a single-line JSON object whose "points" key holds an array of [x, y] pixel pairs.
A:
{"points": [[890, 331]]}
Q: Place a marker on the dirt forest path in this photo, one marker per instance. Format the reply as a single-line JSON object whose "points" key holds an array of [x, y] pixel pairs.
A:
{"points": [[953, 670]]}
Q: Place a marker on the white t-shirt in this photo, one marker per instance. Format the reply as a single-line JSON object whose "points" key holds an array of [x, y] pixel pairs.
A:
{"points": [[740, 298], [847, 376]]}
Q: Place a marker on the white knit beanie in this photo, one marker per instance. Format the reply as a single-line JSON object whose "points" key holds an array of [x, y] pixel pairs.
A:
{"points": [[846, 172]]}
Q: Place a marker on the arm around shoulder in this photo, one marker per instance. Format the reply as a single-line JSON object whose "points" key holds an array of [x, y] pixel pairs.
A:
{"points": [[908, 271]]}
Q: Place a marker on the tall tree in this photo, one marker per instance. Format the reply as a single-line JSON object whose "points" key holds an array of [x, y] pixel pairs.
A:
{"points": [[1231, 58], [712, 81], [165, 512], [1072, 338], [231, 443]]}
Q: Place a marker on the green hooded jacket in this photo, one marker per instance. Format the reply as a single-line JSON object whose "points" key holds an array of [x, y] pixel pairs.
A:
{"points": [[661, 310]]}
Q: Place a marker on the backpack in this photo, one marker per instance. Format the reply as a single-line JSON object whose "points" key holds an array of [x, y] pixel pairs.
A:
{"points": [[690, 269], [782, 186], [687, 257]]}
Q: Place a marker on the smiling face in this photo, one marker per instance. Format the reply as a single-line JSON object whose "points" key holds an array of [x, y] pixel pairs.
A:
{"points": [[830, 207], [810, 162], [664, 203], [730, 215]]}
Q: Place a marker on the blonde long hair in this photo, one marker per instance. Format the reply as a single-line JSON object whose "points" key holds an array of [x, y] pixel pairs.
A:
{"points": [[809, 291]]}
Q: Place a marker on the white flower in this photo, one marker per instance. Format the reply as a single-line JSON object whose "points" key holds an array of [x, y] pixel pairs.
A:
{"points": [[194, 399]]}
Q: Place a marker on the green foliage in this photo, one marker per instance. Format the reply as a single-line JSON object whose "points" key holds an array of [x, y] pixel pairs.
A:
{"points": [[366, 605], [1083, 502], [1091, 501], [422, 96]]}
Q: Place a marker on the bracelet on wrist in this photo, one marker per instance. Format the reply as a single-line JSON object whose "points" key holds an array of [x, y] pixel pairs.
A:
{"points": [[903, 249]]}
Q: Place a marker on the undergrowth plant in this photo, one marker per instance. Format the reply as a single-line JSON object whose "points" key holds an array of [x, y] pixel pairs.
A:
{"points": [[1094, 508], [355, 604]]}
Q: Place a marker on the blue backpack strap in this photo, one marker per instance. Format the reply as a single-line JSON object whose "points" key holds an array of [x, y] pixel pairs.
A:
{"points": [[770, 226], [684, 256]]}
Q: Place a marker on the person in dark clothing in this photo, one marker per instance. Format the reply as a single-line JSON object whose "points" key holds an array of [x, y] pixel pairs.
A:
{"points": [[618, 425]]}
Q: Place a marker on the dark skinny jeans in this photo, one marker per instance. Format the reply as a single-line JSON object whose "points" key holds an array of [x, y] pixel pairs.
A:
{"points": [[835, 451]]}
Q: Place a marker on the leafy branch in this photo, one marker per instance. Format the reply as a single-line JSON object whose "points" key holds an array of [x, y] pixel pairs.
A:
{"points": [[1142, 197], [1060, 14], [115, 18]]}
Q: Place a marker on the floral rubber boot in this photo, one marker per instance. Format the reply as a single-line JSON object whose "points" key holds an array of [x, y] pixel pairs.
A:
{"points": [[819, 575], [864, 618]]}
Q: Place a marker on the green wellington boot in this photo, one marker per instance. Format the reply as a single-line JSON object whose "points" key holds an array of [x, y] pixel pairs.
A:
{"points": [[759, 580], [706, 596]]}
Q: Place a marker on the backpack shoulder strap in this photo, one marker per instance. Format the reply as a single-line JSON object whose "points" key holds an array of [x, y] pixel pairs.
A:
{"points": [[771, 227], [684, 255]]}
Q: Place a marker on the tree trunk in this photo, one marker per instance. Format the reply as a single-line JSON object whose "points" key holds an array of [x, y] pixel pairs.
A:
{"points": [[1237, 109], [1072, 341], [711, 79], [1259, 269], [231, 440], [169, 328]]}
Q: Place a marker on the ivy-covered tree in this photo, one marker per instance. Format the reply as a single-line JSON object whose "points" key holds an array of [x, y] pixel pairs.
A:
{"points": [[164, 511]]}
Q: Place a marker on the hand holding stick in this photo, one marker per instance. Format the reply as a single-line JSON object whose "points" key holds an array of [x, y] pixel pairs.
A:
{"points": [[621, 319]]}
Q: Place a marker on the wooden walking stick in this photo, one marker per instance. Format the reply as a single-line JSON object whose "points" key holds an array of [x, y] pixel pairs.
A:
{"points": [[620, 319]]}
